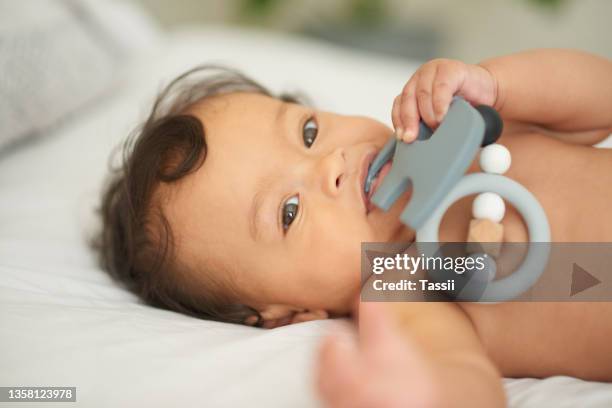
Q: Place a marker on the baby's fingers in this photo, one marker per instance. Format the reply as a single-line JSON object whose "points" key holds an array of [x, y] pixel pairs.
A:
{"points": [[408, 112], [395, 116], [447, 81], [424, 91]]}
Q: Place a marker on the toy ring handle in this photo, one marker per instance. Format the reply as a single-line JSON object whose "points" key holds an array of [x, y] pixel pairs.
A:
{"points": [[539, 232]]}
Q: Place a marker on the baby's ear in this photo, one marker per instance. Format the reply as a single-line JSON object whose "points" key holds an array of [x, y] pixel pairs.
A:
{"points": [[282, 315]]}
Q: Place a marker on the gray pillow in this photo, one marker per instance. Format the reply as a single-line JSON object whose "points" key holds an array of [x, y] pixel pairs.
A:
{"points": [[52, 62]]}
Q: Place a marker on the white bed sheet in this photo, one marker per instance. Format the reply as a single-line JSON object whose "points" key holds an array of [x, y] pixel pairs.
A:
{"points": [[63, 322]]}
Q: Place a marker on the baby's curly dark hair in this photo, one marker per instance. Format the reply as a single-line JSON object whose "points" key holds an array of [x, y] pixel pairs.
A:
{"points": [[135, 244]]}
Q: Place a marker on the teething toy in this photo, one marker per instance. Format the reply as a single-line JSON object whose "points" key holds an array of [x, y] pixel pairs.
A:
{"points": [[434, 166], [488, 206], [495, 158], [485, 234]]}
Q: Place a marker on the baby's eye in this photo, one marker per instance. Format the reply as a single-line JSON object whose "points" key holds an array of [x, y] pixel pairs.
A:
{"points": [[290, 210], [310, 132]]}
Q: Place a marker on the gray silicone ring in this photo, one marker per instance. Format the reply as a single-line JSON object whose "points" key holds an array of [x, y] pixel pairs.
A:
{"points": [[539, 232]]}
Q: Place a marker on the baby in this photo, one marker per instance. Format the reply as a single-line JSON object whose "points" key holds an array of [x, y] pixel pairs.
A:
{"points": [[236, 205]]}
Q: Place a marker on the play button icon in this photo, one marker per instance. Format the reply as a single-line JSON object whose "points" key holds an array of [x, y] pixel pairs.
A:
{"points": [[582, 280]]}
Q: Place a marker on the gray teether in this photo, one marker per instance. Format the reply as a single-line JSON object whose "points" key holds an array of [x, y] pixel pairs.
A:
{"points": [[536, 259], [434, 166]]}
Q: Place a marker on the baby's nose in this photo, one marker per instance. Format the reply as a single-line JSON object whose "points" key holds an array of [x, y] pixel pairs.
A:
{"points": [[331, 171]]}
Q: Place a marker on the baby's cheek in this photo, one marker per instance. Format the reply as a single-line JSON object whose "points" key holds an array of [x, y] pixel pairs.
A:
{"points": [[336, 245], [337, 257]]}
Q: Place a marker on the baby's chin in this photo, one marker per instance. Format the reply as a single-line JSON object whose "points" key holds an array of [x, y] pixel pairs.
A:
{"points": [[387, 224], [387, 227], [403, 234]]}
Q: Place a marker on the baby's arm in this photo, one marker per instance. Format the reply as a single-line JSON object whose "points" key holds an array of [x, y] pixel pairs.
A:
{"points": [[567, 93], [409, 354], [450, 343], [562, 90]]}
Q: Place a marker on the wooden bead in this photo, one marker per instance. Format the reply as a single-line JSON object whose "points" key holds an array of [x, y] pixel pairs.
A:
{"points": [[485, 236]]}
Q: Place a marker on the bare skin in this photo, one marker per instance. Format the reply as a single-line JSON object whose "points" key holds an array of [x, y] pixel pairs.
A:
{"points": [[310, 269], [554, 332], [520, 339]]}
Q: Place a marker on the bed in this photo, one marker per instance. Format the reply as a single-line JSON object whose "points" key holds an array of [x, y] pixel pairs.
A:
{"points": [[64, 322]]}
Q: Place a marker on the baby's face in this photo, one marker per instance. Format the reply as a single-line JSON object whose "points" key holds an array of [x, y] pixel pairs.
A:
{"points": [[277, 208]]}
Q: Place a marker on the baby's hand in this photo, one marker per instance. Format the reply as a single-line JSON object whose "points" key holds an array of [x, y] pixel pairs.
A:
{"points": [[428, 94], [384, 370]]}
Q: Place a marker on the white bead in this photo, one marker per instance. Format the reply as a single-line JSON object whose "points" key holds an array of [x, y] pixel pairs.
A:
{"points": [[489, 206], [495, 159]]}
